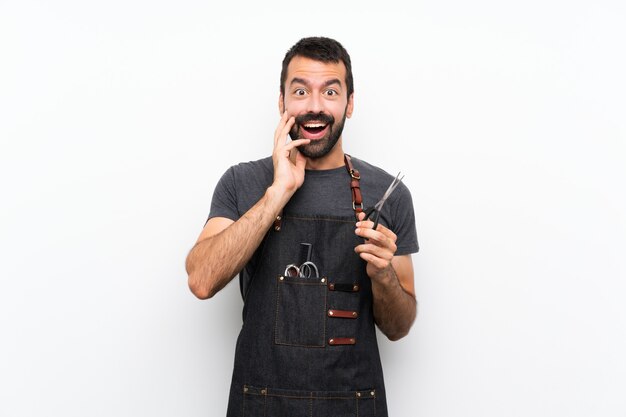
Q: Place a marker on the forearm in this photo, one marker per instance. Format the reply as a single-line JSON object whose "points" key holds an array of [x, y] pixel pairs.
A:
{"points": [[394, 308], [213, 262]]}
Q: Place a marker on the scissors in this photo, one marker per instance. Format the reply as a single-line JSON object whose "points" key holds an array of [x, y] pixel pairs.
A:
{"points": [[303, 271], [374, 211]]}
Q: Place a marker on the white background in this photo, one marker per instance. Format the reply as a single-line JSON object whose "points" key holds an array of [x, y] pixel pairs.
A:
{"points": [[117, 118]]}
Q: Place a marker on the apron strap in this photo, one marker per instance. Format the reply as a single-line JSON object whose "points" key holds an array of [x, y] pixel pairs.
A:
{"points": [[357, 198], [355, 176]]}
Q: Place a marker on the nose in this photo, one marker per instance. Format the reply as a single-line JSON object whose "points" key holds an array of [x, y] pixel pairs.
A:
{"points": [[314, 104]]}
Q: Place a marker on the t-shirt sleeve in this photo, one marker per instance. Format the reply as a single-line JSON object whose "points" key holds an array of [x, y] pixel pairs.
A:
{"points": [[224, 202], [404, 222]]}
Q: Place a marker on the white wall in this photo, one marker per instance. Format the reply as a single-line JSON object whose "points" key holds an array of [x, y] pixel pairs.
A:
{"points": [[117, 118]]}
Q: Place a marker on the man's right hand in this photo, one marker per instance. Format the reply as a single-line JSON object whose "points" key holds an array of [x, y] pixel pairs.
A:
{"points": [[288, 173]]}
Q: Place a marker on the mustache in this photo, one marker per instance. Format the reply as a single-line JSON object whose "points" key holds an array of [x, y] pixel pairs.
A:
{"points": [[309, 117]]}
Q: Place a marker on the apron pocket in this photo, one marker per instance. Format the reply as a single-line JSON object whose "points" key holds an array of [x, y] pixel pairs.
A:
{"points": [[300, 312], [263, 402]]}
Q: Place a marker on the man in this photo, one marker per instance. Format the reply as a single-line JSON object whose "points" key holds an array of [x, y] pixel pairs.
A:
{"points": [[308, 342]]}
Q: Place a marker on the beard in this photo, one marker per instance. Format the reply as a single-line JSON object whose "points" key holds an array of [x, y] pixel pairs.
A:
{"points": [[319, 147]]}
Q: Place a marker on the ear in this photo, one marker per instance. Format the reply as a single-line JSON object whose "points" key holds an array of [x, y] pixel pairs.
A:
{"points": [[350, 106], [281, 104]]}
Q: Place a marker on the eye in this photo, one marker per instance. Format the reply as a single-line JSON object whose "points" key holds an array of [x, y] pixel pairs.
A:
{"points": [[331, 93], [300, 92]]}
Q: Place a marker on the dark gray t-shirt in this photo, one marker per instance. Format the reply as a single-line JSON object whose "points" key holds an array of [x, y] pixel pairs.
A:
{"points": [[325, 192]]}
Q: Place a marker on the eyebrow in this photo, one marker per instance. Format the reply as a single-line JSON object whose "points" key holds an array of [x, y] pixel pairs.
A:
{"points": [[302, 81]]}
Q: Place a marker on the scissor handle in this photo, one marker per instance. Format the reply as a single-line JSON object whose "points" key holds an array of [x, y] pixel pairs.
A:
{"points": [[289, 269], [374, 214], [305, 270]]}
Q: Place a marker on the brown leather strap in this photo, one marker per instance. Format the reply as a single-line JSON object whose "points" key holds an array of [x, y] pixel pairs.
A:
{"points": [[355, 176], [342, 341], [343, 314]]}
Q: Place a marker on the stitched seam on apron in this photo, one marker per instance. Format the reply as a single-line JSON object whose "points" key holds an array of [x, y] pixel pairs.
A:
{"points": [[265, 406], [295, 345], [330, 219], [374, 406], [277, 304], [300, 397], [325, 308]]}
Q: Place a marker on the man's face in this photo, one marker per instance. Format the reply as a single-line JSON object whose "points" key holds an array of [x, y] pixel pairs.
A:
{"points": [[316, 95]]}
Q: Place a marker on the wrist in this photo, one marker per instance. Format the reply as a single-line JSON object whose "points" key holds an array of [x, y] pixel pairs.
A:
{"points": [[385, 278], [277, 196]]}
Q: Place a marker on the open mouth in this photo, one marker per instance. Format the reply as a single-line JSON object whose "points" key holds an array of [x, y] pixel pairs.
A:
{"points": [[313, 130]]}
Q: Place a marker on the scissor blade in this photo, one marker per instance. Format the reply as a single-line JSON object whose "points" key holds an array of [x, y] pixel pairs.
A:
{"points": [[394, 184]]}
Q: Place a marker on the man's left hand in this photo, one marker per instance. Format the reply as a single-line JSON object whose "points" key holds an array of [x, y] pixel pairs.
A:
{"points": [[378, 250]]}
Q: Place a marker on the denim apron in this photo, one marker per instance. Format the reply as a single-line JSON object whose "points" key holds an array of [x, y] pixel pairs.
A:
{"points": [[308, 346]]}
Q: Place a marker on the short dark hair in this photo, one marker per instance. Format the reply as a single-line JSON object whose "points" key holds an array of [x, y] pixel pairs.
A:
{"points": [[319, 49]]}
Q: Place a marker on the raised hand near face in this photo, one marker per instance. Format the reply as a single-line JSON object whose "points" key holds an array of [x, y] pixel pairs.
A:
{"points": [[288, 171]]}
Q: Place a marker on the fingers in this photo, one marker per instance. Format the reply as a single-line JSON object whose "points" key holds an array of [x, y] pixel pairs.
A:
{"points": [[380, 244], [283, 128], [383, 253], [377, 262], [285, 150], [300, 160], [282, 147], [296, 143], [281, 125], [379, 247], [377, 257], [381, 234]]}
